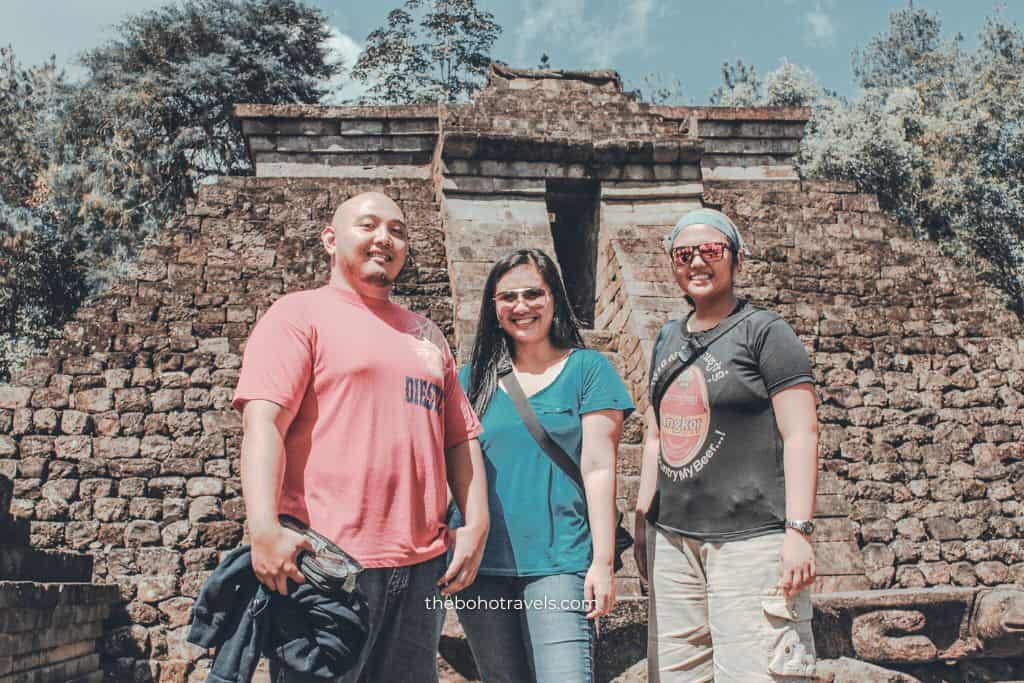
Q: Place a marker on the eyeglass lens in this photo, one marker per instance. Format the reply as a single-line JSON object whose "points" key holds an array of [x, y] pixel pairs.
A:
{"points": [[530, 295]]}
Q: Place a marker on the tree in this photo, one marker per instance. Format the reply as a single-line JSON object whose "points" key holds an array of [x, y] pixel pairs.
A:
{"points": [[28, 97], [740, 87], [937, 135], [791, 86], [430, 50], [904, 55], [113, 156], [195, 60], [659, 89]]}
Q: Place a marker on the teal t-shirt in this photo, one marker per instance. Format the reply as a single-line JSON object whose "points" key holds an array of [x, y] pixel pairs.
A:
{"points": [[538, 515]]}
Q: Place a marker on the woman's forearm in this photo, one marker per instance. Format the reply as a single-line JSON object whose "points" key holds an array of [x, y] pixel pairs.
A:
{"points": [[648, 467], [600, 486], [601, 432], [800, 463]]}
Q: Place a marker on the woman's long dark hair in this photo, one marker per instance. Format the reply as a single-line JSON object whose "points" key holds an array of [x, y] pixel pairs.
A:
{"points": [[492, 355]]}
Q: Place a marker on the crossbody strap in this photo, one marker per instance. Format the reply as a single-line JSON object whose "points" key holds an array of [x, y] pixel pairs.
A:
{"points": [[667, 374], [537, 431]]}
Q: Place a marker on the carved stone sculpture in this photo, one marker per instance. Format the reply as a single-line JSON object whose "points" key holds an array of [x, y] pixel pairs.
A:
{"points": [[920, 625], [998, 622], [892, 636]]}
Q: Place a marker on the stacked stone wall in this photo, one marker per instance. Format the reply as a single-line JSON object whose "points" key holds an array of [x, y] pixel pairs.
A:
{"points": [[121, 441], [298, 141]]}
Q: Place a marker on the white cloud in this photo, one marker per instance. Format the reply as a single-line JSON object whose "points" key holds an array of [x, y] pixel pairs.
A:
{"points": [[597, 41], [341, 48], [821, 30]]}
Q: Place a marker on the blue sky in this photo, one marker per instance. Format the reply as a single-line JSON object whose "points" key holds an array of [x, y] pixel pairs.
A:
{"points": [[682, 40]]}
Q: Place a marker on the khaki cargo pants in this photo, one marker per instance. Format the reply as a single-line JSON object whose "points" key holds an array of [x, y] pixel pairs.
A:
{"points": [[717, 614]]}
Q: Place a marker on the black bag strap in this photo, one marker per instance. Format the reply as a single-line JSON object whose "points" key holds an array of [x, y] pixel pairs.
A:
{"points": [[537, 431], [666, 375]]}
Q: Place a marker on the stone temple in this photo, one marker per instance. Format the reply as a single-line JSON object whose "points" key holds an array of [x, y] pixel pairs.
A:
{"points": [[119, 451]]}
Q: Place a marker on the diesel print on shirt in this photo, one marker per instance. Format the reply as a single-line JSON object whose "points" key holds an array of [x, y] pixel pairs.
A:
{"points": [[424, 393], [720, 466]]}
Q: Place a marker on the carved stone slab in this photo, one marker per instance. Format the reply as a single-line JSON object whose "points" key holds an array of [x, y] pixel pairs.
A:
{"points": [[920, 625]]}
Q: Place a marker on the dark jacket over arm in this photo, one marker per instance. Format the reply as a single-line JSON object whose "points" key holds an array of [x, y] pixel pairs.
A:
{"points": [[307, 631]]}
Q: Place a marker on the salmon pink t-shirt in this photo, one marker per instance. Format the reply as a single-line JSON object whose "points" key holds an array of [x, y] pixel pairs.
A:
{"points": [[376, 401]]}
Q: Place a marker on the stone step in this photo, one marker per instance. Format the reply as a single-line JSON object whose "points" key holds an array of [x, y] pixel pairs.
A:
{"points": [[14, 532], [600, 340], [630, 457], [21, 563], [6, 495]]}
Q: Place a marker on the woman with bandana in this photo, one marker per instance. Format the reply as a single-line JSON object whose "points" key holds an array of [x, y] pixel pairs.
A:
{"points": [[729, 476]]}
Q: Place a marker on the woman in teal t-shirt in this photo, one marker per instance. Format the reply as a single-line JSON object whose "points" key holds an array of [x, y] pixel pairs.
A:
{"points": [[547, 567]]}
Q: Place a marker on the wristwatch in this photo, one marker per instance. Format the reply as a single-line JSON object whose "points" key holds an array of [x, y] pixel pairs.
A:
{"points": [[804, 526]]}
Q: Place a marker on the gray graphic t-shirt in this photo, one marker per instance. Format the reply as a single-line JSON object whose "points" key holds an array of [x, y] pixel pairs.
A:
{"points": [[720, 467]]}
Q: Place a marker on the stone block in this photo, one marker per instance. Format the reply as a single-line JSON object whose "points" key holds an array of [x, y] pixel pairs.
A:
{"points": [[142, 532], [838, 557], [78, 447], [12, 397], [94, 400]]}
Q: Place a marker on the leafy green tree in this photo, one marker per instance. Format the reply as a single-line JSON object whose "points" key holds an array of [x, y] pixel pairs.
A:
{"points": [[906, 54], [741, 86], [29, 97], [791, 85], [657, 88], [394, 62], [41, 283], [112, 157], [429, 50], [937, 135]]}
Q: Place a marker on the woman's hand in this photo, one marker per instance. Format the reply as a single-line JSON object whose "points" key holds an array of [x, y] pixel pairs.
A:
{"points": [[599, 589], [796, 565]]}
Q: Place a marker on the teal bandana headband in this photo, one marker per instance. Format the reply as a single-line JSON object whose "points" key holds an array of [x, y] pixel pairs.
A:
{"points": [[716, 219]]}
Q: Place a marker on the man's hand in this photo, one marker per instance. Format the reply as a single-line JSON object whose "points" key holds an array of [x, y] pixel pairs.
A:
{"points": [[599, 590], [467, 552], [796, 565], [274, 553]]}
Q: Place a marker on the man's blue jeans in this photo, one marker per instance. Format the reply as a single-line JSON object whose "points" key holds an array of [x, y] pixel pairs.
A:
{"points": [[528, 628], [406, 616]]}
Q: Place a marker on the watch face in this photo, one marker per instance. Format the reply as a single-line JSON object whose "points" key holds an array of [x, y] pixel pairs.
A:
{"points": [[802, 527]]}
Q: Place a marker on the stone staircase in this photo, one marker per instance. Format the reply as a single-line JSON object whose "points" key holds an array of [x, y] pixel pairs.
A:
{"points": [[51, 617]]}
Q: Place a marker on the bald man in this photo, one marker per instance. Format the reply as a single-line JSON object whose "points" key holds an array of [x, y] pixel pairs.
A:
{"points": [[354, 422]]}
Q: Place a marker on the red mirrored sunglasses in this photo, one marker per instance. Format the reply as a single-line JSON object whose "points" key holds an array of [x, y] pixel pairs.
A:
{"points": [[709, 253]]}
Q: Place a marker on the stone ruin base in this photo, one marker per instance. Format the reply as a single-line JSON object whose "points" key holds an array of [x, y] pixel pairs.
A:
{"points": [[51, 617], [936, 635]]}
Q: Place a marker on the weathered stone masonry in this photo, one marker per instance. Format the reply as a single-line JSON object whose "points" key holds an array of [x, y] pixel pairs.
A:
{"points": [[121, 443]]}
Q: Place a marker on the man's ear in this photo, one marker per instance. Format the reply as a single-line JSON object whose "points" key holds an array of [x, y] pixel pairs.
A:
{"points": [[328, 239]]}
